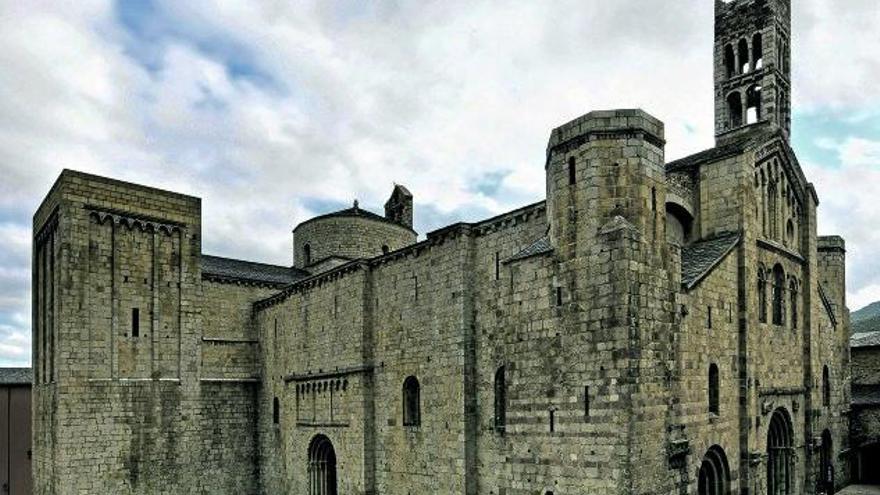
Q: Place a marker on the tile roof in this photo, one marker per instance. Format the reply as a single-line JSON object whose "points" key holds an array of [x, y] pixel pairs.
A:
{"points": [[249, 271], [356, 211], [732, 148], [16, 376], [540, 246], [699, 258], [867, 339], [866, 395]]}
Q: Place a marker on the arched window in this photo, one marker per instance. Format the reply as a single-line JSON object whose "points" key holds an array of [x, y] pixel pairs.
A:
{"points": [[778, 292], [758, 51], [743, 52], [729, 61], [762, 294], [307, 255], [411, 402], [713, 389], [753, 104], [826, 387], [385, 249], [772, 200], [793, 289], [714, 476], [779, 454], [735, 109], [500, 400], [276, 411]]}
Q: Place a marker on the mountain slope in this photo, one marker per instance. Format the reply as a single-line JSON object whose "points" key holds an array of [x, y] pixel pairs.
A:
{"points": [[866, 319], [869, 311]]}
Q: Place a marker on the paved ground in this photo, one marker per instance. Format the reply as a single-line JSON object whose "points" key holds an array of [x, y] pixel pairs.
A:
{"points": [[860, 490]]}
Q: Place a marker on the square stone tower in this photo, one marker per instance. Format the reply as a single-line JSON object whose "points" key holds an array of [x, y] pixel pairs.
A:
{"points": [[752, 65]]}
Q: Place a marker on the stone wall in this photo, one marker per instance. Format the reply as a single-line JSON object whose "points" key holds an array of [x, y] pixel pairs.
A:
{"points": [[121, 407], [347, 236]]}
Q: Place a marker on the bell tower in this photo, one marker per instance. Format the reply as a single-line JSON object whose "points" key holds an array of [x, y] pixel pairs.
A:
{"points": [[752, 65]]}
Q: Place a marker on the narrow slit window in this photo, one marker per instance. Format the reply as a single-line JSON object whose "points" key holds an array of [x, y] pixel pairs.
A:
{"points": [[135, 322], [709, 318], [559, 296], [552, 421], [497, 265], [587, 402], [572, 171], [500, 400], [713, 389], [276, 411]]}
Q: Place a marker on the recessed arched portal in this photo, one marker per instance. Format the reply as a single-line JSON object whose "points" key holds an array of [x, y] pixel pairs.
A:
{"points": [[780, 454], [714, 475], [322, 466]]}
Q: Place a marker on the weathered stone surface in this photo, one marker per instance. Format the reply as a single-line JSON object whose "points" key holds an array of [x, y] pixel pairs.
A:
{"points": [[643, 321]]}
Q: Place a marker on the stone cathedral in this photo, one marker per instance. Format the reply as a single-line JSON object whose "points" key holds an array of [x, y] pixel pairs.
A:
{"points": [[651, 327]]}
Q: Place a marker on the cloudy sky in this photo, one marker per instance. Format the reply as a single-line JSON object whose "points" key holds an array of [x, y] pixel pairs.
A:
{"points": [[273, 111]]}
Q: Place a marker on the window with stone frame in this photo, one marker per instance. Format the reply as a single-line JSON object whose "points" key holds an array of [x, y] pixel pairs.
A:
{"points": [[793, 292], [778, 295], [307, 255], [762, 294], [714, 398], [411, 402], [500, 399], [826, 387]]}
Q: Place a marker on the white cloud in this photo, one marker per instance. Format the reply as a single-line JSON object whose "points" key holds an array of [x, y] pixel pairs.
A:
{"points": [[848, 207], [338, 100]]}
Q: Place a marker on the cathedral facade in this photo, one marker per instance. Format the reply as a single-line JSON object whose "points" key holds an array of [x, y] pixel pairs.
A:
{"points": [[651, 327]]}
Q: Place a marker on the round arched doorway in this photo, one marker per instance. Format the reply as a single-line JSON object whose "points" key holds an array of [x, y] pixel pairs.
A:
{"points": [[780, 454], [322, 466], [714, 475]]}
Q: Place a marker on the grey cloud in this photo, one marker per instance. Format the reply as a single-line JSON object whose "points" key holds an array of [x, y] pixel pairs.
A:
{"points": [[435, 95]]}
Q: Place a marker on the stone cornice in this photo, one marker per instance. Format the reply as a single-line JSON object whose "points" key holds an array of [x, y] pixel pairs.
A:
{"points": [[134, 220]]}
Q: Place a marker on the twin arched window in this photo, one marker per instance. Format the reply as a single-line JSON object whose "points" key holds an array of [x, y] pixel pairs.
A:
{"points": [[738, 61], [412, 415]]}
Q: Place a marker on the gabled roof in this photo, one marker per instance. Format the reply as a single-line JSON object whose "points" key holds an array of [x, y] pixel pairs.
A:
{"points": [[700, 258], [16, 376], [228, 269], [867, 339], [540, 246], [733, 147]]}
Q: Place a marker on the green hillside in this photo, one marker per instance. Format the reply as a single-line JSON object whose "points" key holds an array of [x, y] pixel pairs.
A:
{"points": [[870, 311], [866, 319]]}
